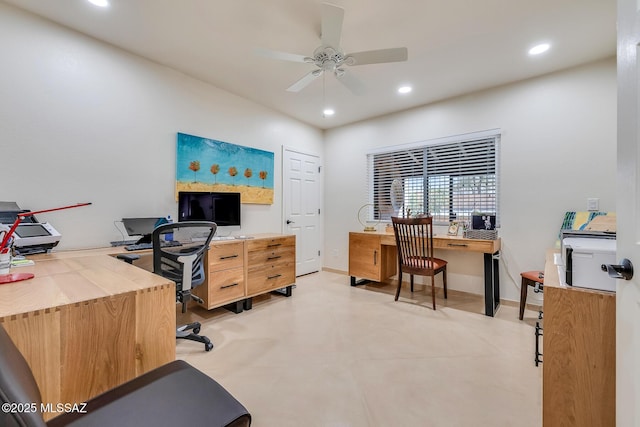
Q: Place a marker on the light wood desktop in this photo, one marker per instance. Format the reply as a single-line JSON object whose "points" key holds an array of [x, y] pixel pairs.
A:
{"points": [[372, 256], [88, 322]]}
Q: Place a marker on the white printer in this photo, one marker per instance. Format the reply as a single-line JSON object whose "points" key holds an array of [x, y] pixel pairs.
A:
{"points": [[584, 255], [30, 236]]}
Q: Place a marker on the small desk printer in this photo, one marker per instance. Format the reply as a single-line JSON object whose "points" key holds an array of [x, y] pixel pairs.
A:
{"points": [[588, 241], [583, 258]]}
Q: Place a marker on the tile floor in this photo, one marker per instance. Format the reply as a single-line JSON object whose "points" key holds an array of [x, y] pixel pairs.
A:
{"points": [[336, 355]]}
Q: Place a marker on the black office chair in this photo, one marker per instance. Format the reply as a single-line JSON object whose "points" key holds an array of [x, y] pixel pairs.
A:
{"points": [[184, 265], [171, 395]]}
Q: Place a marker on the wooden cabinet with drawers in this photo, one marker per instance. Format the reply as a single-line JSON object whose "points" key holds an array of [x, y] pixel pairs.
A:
{"points": [[271, 264], [369, 259], [240, 269], [225, 272]]}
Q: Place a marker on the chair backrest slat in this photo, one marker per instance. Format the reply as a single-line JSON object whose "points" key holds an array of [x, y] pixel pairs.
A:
{"points": [[414, 241]]}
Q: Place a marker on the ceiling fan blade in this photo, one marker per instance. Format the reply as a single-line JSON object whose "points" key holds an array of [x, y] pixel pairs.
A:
{"points": [[273, 54], [332, 17], [396, 54], [352, 83], [304, 81]]}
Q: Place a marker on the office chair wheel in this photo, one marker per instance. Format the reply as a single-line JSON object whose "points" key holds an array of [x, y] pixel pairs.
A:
{"points": [[196, 330], [208, 346]]}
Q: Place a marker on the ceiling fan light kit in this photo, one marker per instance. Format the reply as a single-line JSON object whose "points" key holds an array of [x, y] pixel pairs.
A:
{"points": [[329, 57]]}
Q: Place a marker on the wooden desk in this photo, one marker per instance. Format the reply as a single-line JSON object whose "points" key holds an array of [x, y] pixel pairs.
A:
{"points": [[88, 322], [373, 257], [239, 269], [579, 346]]}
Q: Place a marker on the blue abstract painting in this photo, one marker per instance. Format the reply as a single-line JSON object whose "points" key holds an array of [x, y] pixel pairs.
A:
{"points": [[204, 164]]}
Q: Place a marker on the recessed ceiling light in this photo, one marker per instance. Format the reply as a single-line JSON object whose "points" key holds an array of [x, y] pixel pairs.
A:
{"points": [[328, 112], [100, 3], [538, 49], [405, 89]]}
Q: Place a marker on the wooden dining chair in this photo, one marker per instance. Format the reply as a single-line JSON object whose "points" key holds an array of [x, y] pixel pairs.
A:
{"points": [[414, 242]]}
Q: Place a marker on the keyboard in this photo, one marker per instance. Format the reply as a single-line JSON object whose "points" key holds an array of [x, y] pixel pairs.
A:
{"points": [[229, 238], [123, 242], [142, 246]]}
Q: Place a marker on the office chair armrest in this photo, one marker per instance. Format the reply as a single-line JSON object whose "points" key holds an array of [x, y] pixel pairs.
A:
{"points": [[128, 258]]}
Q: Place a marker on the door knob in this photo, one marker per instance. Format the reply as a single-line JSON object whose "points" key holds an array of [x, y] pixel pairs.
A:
{"points": [[622, 271], [290, 222]]}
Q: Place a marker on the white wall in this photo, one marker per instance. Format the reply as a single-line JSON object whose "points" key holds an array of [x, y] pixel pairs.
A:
{"points": [[558, 149], [81, 120]]}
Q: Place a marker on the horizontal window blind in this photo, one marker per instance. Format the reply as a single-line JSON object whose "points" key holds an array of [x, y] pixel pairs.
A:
{"points": [[396, 182], [448, 180]]}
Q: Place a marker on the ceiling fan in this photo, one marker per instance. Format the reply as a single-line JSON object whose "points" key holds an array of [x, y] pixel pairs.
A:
{"points": [[329, 57]]}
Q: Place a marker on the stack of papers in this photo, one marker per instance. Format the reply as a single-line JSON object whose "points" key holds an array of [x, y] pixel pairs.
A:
{"points": [[21, 262]]}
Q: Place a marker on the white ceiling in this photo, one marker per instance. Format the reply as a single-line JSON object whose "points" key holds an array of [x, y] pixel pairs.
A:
{"points": [[455, 47]]}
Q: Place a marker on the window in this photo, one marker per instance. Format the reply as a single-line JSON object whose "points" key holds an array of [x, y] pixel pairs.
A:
{"points": [[449, 178]]}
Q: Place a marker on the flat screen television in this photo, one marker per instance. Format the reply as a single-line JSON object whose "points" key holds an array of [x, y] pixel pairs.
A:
{"points": [[221, 208]]}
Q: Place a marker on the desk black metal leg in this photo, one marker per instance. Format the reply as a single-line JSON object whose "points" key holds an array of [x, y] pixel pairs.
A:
{"points": [[496, 280], [235, 307], [287, 292], [355, 282], [491, 283]]}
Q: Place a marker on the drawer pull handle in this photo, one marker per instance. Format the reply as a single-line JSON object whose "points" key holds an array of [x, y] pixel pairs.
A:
{"points": [[229, 286], [229, 257], [274, 257], [274, 277], [462, 245], [274, 244]]}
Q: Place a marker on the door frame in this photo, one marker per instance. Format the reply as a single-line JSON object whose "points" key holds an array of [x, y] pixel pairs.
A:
{"points": [[628, 194]]}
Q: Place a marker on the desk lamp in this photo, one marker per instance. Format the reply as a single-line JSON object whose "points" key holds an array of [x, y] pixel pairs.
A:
{"points": [[364, 222], [5, 246]]}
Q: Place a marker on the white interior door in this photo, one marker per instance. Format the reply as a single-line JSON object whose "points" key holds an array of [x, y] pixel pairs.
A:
{"points": [[628, 211], [301, 200]]}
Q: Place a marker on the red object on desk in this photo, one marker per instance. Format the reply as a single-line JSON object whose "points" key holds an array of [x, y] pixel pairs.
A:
{"points": [[15, 277]]}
